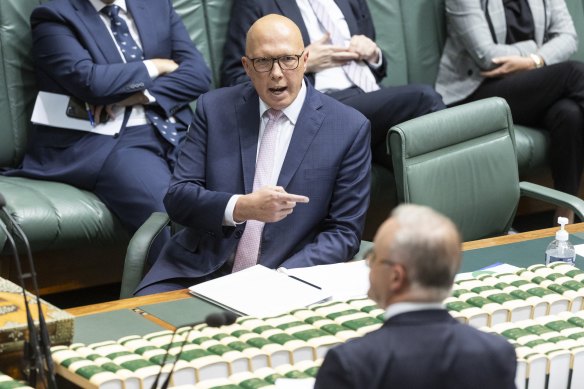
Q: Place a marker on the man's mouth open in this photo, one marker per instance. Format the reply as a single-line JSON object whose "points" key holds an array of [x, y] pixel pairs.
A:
{"points": [[278, 90]]}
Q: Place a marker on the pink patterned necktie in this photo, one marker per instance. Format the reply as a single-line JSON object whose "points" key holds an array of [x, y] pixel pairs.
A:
{"points": [[247, 252], [358, 72]]}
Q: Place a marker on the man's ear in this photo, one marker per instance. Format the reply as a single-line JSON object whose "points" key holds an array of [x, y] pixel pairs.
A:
{"points": [[399, 278], [246, 65]]}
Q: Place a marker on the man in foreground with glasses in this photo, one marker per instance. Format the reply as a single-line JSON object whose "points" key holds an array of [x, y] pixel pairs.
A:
{"points": [[413, 264], [272, 172]]}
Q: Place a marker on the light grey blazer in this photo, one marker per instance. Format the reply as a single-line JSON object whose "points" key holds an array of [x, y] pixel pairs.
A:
{"points": [[470, 46]]}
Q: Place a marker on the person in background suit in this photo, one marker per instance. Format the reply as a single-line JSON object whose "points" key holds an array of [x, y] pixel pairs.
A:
{"points": [[272, 172], [151, 74], [340, 37], [413, 263], [519, 50]]}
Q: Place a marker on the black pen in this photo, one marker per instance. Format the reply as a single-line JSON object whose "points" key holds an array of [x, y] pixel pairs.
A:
{"points": [[284, 271]]}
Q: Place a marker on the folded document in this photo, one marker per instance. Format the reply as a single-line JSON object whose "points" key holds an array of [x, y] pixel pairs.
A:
{"points": [[259, 291], [50, 109]]}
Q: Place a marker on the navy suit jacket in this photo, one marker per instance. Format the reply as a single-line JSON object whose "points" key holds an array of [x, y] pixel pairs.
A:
{"points": [[245, 12], [75, 55], [328, 160], [419, 350]]}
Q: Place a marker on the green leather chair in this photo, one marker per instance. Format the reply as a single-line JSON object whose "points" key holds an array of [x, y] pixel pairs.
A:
{"points": [[462, 162]]}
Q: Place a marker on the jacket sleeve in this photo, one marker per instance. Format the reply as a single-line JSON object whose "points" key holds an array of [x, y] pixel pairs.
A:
{"points": [[175, 90], [561, 40]]}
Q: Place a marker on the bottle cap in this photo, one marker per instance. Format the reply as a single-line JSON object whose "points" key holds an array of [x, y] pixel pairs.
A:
{"points": [[562, 234]]}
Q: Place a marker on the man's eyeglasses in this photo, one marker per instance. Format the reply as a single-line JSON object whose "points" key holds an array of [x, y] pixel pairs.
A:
{"points": [[286, 62], [370, 259]]}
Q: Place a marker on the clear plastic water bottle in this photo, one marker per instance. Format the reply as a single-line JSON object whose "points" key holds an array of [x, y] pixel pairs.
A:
{"points": [[561, 249]]}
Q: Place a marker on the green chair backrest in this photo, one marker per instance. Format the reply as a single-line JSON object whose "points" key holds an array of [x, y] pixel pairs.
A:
{"points": [[461, 162], [17, 80]]}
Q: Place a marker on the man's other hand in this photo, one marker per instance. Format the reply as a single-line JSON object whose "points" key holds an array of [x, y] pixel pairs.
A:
{"points": [[323, 55]]}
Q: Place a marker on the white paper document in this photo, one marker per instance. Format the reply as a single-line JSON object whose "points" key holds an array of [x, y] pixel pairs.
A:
{"points": [[259, 291], [579, 249], [50, 109], [341, 280]]}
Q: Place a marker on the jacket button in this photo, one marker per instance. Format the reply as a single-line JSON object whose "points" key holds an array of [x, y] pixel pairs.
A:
{"points": [[238, 234], [469, 72]]}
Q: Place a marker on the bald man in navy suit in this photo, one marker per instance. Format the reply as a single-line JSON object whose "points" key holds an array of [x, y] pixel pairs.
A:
{"points": [[312, 203]]}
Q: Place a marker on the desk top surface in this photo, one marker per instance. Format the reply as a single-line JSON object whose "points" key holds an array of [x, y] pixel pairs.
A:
{"points": [[146, 314], [136, 302]]}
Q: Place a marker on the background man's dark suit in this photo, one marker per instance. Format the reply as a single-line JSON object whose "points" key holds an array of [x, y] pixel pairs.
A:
{"points": [[328, 160], [76, 55], [419, 350], [384, 108]]}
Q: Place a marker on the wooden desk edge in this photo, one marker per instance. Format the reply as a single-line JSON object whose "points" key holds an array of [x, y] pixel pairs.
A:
{"points": [[135, 302], [130, 303]]}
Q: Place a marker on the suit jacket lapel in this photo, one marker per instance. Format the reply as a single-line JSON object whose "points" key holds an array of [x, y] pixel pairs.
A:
{"points": [[346, 10], [98, 30], [291, 11], [143, 20], [248, 126], [538, 13], [496, 12], [306, 128]]}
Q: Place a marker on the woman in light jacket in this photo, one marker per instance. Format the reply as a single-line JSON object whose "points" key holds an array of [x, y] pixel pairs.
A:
{"points": [[519, 50]]}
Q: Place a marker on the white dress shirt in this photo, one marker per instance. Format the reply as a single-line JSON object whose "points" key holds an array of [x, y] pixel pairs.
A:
{"points": [[285, 129], [330, 79], [399, 308]]}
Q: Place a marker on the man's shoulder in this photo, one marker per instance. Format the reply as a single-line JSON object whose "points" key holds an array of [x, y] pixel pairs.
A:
{"points": [[338, 109], [229, 93]]}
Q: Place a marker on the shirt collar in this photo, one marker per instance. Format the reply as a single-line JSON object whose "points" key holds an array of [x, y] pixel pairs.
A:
{"points": [[293, 110], [399, 308], [98, 4]]}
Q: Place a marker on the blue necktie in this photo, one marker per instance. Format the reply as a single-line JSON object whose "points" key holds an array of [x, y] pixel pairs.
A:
{"points": [[132, 52]]}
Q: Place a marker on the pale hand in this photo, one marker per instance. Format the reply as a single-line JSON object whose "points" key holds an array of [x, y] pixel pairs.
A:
{"points": [[164, 66], [365, 48], [268, 204], [508, 65], [323, 55], [135, 99]]}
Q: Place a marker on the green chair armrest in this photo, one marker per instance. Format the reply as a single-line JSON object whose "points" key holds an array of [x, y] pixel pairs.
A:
{"points": [[553, 196], [138, 249], [363, 249]]}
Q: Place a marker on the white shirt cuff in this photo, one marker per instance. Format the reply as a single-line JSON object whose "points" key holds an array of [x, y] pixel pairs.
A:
{"points": [[152, 70], [151, 99], [379, 61], [228, 215]]}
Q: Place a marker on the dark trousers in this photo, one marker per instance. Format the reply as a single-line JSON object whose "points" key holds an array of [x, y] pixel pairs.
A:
{"points": [[387, 107], [552, 97]]}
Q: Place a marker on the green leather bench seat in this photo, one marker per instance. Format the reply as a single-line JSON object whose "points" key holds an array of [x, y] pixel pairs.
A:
{"points": [[55, 215]]}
